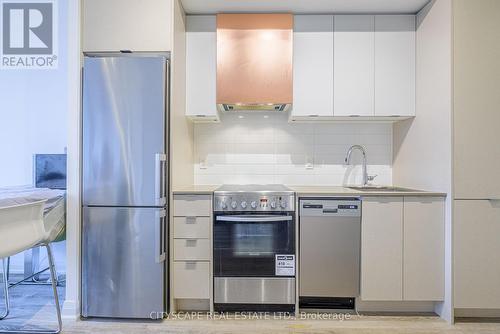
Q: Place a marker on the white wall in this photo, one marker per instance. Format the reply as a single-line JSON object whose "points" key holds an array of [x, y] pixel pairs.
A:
{"points": [[33, 119], [59, 250], [181, 129], [422, 146], [255, 149], [33, 113], [71, 307]]}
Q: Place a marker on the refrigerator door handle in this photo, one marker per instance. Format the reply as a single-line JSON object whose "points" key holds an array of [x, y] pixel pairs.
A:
{"points": [[165, 179], [160, 237], [160, 184]]}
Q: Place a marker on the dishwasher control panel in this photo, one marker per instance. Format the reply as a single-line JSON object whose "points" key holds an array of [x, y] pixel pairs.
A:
{"points": [[342, 207]]}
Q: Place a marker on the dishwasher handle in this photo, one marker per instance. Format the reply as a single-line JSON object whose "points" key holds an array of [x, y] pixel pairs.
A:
{"points": [[330, 207]]}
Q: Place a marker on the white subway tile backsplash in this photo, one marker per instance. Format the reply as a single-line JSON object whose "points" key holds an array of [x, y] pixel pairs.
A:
{"points": [[251, 169], [252, 148], [245, 179], [293, 169], [295, 180]]}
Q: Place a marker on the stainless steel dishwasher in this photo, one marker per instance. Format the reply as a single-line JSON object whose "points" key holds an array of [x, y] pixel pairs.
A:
{"points": [[329, 250]]}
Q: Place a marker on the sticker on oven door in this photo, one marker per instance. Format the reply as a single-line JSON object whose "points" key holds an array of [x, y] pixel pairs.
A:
{"points": [[285, 265]]}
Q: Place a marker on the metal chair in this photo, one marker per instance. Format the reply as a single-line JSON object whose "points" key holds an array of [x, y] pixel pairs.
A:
{"points": [[21, 228]]}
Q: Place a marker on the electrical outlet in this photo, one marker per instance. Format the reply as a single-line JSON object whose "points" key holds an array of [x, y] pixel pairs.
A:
{"points": [[203, 164]]}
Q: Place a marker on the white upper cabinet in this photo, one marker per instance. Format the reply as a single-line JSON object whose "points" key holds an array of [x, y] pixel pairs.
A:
{"points": [[354, 65], [394, 65], [313, 65], [201, 48], [135, 25], [343, 66]]}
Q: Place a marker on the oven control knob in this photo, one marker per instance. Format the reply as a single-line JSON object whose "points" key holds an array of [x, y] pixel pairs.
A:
{"points": [[223, 205], [273, 205], [283, 204], [234, 204], [243, 204], [253, 205]]}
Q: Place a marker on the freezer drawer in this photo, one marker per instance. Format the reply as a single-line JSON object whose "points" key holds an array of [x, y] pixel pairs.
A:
{"points": [[123, 262]]}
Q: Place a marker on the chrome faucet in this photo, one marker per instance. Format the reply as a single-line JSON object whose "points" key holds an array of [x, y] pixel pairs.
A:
{"points": [[348, 159]]}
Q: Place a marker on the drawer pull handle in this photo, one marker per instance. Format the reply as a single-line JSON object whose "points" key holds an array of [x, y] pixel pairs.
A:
{"points": [[191, 242], [191, 220], [190, 265]]}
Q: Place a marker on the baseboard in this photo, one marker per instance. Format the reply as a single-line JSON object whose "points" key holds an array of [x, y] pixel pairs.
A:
{"points": [[193, 304], [395, 307], [71, 310], [477, 313]]}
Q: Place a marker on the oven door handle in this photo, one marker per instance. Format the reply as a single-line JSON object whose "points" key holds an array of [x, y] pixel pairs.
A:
{"points": [[254, 218]]}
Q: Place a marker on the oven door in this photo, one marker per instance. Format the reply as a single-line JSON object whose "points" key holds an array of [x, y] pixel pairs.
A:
{"points": [[255, 245]]}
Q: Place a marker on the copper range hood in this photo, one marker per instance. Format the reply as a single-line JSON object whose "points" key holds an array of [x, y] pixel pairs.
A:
{"points": [[254, 62]]}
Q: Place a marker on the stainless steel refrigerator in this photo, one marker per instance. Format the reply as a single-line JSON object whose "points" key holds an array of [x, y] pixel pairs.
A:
{"points": [[125, 185]]}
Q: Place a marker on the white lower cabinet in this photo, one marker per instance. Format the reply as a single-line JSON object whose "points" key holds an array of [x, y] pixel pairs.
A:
{"points": [[192, 206], [192, 249], [382, 248], [402, 249], [423, 250], [191, 280], [477, 254], [192, 227], [191, 277]]}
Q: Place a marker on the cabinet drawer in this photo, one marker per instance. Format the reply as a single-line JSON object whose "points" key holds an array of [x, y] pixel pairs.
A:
{"points": [[192, 205], [192, 227], [191, 249], [192, 280]]}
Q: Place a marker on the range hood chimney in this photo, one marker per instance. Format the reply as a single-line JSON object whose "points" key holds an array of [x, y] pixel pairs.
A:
{"points": [[254, 62]]}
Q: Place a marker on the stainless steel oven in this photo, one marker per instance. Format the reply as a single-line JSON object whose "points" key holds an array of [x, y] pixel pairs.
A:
{"points": [[254, 248]]}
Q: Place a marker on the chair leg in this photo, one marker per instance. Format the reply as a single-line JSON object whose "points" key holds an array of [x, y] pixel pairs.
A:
{"points": [[53, 276], [36, 280], [55, 270], [6, 290], [8, 268], [56, 299]]}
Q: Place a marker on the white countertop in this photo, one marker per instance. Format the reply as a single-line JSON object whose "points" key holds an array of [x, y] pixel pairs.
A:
{"points": [[317, 190], [195, 189], [344, 191]]}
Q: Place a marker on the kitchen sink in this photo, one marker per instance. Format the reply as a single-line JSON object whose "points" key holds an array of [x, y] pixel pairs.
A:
{"points": [[378, 188]]}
